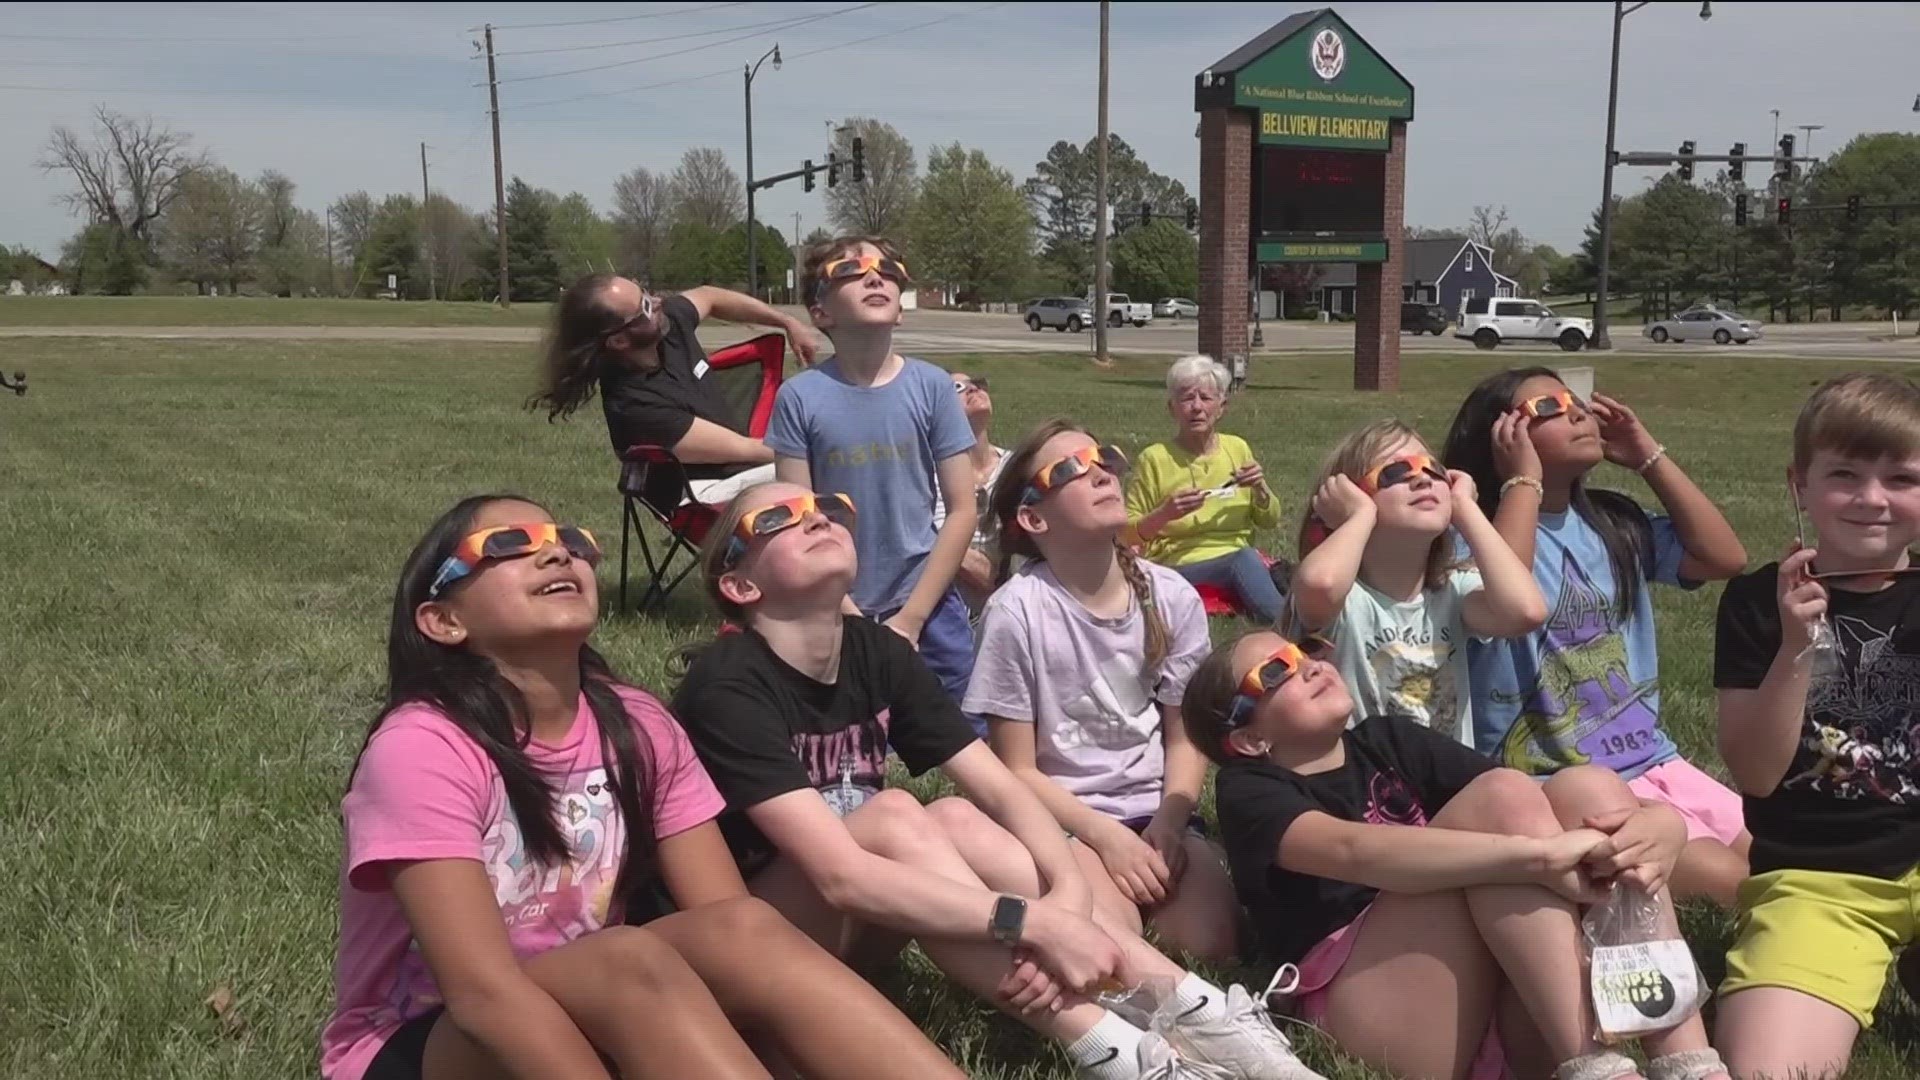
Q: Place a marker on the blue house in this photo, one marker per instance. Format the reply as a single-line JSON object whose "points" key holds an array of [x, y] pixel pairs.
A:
{"points": [[1445, 272]]}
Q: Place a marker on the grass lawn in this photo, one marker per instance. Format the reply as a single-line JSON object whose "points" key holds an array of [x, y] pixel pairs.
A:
{"points": [[201, 543], [256, 311]]}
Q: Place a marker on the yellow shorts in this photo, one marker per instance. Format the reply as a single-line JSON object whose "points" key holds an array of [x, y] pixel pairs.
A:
{"points": [[1829, 936]]}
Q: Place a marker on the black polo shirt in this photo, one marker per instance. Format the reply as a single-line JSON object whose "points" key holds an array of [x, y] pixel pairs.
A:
{"points": [[657, 407]]}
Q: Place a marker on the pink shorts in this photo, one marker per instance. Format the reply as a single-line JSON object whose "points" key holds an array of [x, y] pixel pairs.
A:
{"points": [[1711, 809], [1322, 965]]}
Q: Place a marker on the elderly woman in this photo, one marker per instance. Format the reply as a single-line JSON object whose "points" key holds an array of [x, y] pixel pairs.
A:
{"points": [[1196, 500], [975, 578]]}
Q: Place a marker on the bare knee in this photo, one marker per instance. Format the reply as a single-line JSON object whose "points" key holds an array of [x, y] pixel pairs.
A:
{"points": [[892, 824], [636, 961], [748, 919], [1503, 801], [960, 820], [1586, 791]]}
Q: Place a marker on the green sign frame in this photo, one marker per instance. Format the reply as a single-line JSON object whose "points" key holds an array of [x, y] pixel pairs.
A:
{"points": [[1321, 251], [1324, 86]]}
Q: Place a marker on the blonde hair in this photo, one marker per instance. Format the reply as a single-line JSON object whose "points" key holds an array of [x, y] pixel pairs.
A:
{"points": [[1865, 416], [1004, 504], [1353, 457], [713, 552], [1190, 370]]}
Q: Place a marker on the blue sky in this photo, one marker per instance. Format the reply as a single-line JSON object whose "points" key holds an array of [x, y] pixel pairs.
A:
{"points": [[1511, 97]]}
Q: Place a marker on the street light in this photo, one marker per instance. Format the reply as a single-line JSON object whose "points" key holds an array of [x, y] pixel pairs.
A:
{"points": [[1600, 339], [753, 267]]}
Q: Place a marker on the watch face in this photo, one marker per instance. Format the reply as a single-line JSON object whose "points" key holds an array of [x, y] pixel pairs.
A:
{"points": [[1009, 916]]}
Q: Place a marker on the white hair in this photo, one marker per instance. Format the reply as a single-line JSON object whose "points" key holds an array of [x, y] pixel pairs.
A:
{"points": [[1192, 370]]}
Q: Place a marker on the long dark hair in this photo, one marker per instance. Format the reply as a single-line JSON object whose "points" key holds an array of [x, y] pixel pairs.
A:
{"points": [[1621, 523], [570, 366], [491, 711]]}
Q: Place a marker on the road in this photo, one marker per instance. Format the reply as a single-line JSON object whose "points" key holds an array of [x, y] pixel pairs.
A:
{"points": [[948, 332]]}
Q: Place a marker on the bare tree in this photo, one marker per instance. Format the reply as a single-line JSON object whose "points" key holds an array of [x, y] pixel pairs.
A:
{"points": [[1487, 224], [643, 204], [276, 194], [706, 190], [127, 173], [450, 243], [353, 225], [882, 203]]}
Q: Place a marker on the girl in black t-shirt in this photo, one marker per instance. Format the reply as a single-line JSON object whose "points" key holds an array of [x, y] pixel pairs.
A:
{"points": [[1409, 942], [793, 716]]}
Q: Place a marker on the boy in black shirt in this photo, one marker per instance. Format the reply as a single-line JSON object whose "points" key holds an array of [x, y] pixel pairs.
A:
{"points": [[1817, 661], [1405, 942]]}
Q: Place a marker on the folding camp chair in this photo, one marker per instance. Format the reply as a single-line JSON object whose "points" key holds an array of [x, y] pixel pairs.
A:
{"points": [[748, 376]]}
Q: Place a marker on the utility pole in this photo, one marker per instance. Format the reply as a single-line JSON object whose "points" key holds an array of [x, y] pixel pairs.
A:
{"points": [[333, 279], [426, 226], [1100, 356], [499, 178]]}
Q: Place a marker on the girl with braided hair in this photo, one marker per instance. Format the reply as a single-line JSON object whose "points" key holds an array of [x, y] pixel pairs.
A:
{"points": [[1084, 657]]}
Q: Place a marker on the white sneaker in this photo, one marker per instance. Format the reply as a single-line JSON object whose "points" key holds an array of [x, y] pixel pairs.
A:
{"points": [[1159, 1061], [1243, 1042]]}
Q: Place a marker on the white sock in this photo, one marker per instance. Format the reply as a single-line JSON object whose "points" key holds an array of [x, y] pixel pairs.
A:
{"points": [[1110, 1050], [1197, 999]]}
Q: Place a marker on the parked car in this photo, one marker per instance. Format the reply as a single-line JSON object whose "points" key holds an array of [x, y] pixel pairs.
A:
{"points": [[1423, 319], [1489, 321], [1060, 312], [1704, 324], [1176, 307], [1121, 309]]}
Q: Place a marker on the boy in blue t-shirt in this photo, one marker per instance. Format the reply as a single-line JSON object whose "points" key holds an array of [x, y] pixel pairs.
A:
{"points": [[890, 432]]}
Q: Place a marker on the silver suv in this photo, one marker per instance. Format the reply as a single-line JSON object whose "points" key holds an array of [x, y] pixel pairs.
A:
{"points": [[1060, 312]]}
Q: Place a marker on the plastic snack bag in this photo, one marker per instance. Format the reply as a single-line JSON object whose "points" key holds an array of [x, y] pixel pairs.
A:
{"points": [[1643, 977], [1148, 1006]]}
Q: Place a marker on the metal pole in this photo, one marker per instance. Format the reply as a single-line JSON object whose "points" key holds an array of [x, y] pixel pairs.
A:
{"points": [[333, 277], [426, 226], [753, 268], [499, 177], [1100, 210], [1601, 339]]}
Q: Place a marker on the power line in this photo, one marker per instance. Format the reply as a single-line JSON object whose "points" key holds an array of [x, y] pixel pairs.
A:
{"points": [[620, 18], [902, 30], [802, 21], [775, 23], [147, 40]]}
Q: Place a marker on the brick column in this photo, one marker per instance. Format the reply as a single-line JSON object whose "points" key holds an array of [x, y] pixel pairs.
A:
{"points": [[1226, 225], [1376, 311]]}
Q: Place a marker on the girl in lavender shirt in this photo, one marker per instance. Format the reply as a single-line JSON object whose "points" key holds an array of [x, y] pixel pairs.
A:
{"points": [[513, 805], [1084, 657]]}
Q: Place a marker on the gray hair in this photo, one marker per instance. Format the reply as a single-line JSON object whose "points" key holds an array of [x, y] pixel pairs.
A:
{"points": [[1192, 370]]}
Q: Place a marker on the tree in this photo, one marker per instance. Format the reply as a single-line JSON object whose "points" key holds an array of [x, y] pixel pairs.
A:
{"points": [[453, 244], [1159, 259], [581, 239], [881, 204], [532, 273], [23, 264], [972, 227], [706, 190], [642, 215], [393, 247], [287, 245], [127, 175], [690, 257], [211, 233], [1429, 232], [103, 260], [1876, 257], [1062, 195], [817, 236]]}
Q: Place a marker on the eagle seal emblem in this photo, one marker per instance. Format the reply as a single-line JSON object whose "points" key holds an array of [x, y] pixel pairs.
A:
{"points": [[1329, 54]]}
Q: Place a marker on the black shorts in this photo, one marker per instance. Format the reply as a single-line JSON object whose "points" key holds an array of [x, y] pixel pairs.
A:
{"points": [[405, 1051]]}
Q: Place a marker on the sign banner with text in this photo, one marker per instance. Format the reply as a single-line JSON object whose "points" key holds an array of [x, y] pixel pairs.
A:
{"points": [[1321, 251]]}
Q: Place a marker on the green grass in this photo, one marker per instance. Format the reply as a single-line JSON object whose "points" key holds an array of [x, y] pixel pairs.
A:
{"points": [[256, 311], [200, 544]]}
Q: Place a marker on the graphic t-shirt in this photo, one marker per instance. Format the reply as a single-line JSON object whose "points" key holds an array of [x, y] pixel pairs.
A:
{"points": [[763, 729], [1046, 660], [1396, 773], [1584, 688], [1850, 801], [983, 537], [1409, 658], [424, 790], [658, 407], [1223, 525], [883, 445]]}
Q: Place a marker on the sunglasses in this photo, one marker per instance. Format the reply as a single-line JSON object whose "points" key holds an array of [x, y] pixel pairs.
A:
{"points": [[859, 266], [783, 515], [1402, 470], [1548, 406], [1267, 676], [979, 383], [1075, 465], [511, 542], [1800, 536]]}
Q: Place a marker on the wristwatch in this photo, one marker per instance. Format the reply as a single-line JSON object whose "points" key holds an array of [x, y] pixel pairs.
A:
{"points": [[1009, 918]]}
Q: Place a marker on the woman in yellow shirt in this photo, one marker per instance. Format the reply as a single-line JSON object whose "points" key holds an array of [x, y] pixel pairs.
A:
{"points": [[1195, 500]]}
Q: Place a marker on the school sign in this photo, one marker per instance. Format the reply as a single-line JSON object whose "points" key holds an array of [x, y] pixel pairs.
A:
{"points": [[1302, 159]]}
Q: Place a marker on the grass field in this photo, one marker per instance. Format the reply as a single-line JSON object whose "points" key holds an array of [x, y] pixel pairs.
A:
{"points": [[256, 311], [200, 544]]}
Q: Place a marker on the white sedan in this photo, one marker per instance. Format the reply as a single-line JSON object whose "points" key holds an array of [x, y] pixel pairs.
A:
{"points": [[1706, 324], [1175, 307]]}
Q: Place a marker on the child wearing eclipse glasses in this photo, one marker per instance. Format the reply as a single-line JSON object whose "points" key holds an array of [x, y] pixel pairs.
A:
{"points": [[1585, 689]]}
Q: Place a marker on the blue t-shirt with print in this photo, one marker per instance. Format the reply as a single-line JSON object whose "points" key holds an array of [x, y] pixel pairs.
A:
{"points": [[883, 446], [1585, 687]]}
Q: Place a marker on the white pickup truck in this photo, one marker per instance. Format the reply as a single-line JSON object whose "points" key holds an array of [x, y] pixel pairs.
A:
{"points": [[1121, 309], [1492, 321]]}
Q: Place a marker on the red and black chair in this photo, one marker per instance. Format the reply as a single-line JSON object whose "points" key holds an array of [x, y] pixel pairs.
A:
{"points": [[747, 376]]}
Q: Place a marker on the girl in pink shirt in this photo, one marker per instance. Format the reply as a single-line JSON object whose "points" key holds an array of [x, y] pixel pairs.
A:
{"points": [[513, 806]]}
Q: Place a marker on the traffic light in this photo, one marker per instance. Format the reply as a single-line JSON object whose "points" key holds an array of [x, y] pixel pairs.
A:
{"points": [[1737, 168], [833, 169], [1686, 161], [1783, 165], [1193, 215], [1853, 208], [859, 160], [1740, 209], [807, 174], [1146, 211], [1784, 212]]}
